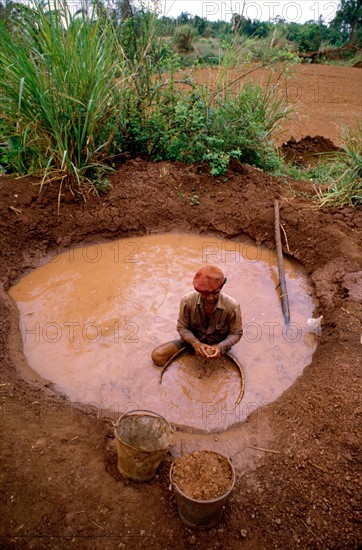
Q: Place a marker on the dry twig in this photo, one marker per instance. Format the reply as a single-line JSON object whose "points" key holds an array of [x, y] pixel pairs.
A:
{"points": [[319, 467], [310, 530], [17, 211], [96, 524], [265, 450], [286, 238]]}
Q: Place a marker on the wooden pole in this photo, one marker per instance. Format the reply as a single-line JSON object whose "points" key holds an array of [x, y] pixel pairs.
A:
{"points": [[282, 282]]}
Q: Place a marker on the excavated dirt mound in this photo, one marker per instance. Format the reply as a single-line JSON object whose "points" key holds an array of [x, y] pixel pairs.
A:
{"points": [[308, 151], [297, 460]]}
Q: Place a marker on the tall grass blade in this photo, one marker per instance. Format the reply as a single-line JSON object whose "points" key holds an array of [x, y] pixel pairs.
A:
{"points": [[346, 173], [57, 79]]}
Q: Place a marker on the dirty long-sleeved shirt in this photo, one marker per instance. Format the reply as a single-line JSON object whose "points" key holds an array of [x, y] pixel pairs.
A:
{"points": [[223, 328]]}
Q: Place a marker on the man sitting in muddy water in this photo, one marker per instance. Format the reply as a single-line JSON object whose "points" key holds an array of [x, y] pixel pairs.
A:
{"points": [[209, 321]]}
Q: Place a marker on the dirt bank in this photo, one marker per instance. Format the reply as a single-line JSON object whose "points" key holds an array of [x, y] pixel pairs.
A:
{"points": [[60, 483]]}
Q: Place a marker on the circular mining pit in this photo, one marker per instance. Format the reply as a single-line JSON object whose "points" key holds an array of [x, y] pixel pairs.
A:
{"points": [[296, 459], [89, 319]]}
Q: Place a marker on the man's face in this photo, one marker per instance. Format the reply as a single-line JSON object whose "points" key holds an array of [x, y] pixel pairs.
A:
{"points": [[210, 297]]}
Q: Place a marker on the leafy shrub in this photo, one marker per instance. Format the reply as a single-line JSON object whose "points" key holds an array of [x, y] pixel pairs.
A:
{"points": [[307, 37], [183, 38], [196, 127]]}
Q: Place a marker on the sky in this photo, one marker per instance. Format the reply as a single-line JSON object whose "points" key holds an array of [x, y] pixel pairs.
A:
{"points": [[298, 11]]}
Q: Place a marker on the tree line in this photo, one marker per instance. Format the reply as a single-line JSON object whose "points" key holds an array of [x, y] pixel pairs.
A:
{"points": [[345, 28]]}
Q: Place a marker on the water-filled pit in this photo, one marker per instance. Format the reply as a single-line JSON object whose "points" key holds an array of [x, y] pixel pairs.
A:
{"points": [[91, 316]]}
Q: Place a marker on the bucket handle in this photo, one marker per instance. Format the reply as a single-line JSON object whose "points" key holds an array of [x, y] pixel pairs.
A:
{"points": [[115, 424]]}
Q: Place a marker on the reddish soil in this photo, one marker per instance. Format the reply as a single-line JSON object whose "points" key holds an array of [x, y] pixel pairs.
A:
{"points": [[325, 98], [297, 460], [202, 475]]}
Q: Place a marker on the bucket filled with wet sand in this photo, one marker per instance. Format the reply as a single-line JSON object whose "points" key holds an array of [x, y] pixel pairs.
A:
{"points": [[142, 439], [202, 482]]}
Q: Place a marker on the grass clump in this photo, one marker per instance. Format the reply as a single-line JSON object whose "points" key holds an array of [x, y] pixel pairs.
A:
{"points": [[336, 179], [59, 95], [345, 173], [247, 121], [183, 38]]}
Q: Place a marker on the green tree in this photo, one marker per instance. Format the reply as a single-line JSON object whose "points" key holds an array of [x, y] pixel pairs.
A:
{"points": [[166, 25], [200, 24], [119, 10], [307, 37], [221, 29], [184, 18], [348, 19]]}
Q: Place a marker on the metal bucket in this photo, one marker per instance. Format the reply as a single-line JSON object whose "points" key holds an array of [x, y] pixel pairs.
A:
{"points": [[142, 439], [201, 514]]}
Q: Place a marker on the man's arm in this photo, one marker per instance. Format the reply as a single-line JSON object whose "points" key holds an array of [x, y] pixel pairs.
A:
{"points": [[184, 330], [184, 323], [235, 331]]}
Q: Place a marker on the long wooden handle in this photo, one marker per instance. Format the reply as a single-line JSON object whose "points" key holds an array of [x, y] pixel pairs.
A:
{"points": [[283, 284]]}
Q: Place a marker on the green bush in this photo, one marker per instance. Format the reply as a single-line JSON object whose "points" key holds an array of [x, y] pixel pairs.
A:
{"points": [[196, 127], [183, 38]]}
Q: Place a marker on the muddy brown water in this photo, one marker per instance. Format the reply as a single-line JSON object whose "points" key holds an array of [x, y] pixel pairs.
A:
{"points": [[91, 316]]}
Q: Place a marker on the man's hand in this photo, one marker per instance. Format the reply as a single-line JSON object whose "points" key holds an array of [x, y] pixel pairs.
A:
{"points": [[206, 351], [213, 352], [201, 350]]}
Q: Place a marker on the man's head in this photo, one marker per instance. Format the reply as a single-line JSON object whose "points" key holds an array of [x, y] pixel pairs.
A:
{"points": [[208, 282]]}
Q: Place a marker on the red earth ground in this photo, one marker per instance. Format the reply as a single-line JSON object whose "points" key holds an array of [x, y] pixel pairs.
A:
{"points": [[325, 98], [297, 460]]}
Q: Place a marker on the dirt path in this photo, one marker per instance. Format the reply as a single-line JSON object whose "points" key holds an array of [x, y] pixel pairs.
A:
{"points": [[60, 483]]}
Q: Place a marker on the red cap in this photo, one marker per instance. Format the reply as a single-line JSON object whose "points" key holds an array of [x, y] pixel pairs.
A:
{"points": [[208, 279]]}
